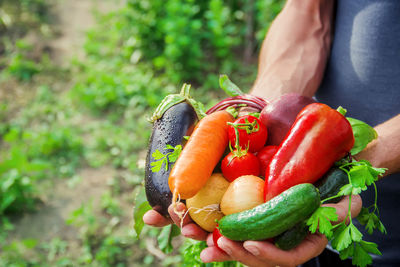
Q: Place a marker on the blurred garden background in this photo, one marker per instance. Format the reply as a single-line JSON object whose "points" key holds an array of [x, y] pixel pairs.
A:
{"points": [[78, 81]]}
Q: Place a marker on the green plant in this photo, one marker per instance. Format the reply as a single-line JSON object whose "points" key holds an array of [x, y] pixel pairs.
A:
{"points": [[150, 45], [55, 247], [110, 204], [17, 173], [15, 254], [16, 192], [20, 65]]}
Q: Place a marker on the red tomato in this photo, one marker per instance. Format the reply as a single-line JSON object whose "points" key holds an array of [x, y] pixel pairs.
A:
{"points": [[264, 156], [239, 163], [253, 136], [216, 235]]}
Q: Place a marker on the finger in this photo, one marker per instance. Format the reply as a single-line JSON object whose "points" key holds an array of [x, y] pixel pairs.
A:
{"points": [[212, 254], [180, 207], [237, 252], [154, 218], [193, 231], [312, 246], [210, 241], [342, 207]]}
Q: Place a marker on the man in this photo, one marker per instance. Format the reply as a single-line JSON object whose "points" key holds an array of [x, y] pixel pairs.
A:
{"points": [[362, 40]]}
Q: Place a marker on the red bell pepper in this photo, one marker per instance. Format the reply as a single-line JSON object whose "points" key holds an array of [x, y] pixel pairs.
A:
{"points": [[319, 136]]}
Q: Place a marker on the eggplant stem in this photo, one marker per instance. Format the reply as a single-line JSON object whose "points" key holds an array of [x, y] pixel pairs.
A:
{"points": [[185, 90]]}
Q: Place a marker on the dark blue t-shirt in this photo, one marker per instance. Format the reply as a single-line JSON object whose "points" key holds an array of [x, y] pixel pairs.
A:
{"points": [[363, 75]]}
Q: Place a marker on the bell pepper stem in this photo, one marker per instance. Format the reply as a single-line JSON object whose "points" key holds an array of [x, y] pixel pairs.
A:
{"points": [[341, 110]]}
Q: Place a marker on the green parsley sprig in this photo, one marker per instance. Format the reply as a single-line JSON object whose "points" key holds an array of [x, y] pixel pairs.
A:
{"points": [[346, 238], [166, 159]]}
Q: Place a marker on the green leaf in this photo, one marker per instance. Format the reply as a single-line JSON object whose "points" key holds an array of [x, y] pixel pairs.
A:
{"points": [[363, 134], [191, 253], [341, 237], [363, 216], [382, 228], [6, 201], [175, 154], [376, 172], [347, 252], [9, 180], [157, 154], [363, 161], [30, 243], [355, 234], [345, 190], [357, 190], [371, 221], [166, 236], [138, 212], [38, 165], [156, 165], [321, 219], [170, 157], [228, 86], [361, 257], [360, 176], [370, 247], [169, 147]]}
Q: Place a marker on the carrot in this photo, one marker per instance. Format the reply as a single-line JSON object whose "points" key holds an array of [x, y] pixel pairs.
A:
{"points": [[200, 155]]}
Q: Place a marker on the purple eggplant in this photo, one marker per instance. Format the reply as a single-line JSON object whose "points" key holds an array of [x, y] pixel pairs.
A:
{"points": [[174, 118]]}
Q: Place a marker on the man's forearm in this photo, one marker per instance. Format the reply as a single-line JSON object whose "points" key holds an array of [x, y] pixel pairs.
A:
{"points": [[294, 53], [384, 152]]}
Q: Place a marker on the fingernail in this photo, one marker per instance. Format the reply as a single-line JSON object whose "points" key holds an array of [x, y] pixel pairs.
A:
{"points": [[252, 249], [148, 218], [184, 232], [222, 245], [187, 233]]}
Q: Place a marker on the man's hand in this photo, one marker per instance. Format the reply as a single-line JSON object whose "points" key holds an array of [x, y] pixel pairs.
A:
{"points": [[189, 228], [264, 253]]}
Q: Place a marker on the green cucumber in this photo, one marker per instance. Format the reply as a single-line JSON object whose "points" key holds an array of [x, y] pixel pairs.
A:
{"points": [[292, 237], [273, 217], [328, 186]]}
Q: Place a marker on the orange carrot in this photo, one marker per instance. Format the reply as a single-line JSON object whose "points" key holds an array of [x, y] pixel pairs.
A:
{"points": [[200, 155]]}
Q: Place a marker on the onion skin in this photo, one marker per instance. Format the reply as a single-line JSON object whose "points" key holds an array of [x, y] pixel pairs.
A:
{"points": [[204, 206], [247, 100], [244, 193]]}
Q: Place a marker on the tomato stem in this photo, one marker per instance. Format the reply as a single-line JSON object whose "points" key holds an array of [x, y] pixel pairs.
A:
{"points": [[238, 152], [250, 127]]}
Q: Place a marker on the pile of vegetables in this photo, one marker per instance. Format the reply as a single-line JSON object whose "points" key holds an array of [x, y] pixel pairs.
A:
{"points": [[263, 175]]}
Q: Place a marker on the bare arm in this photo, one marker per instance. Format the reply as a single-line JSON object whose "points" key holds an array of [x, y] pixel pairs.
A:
{"points": [[385, 150], [294, 53]]}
